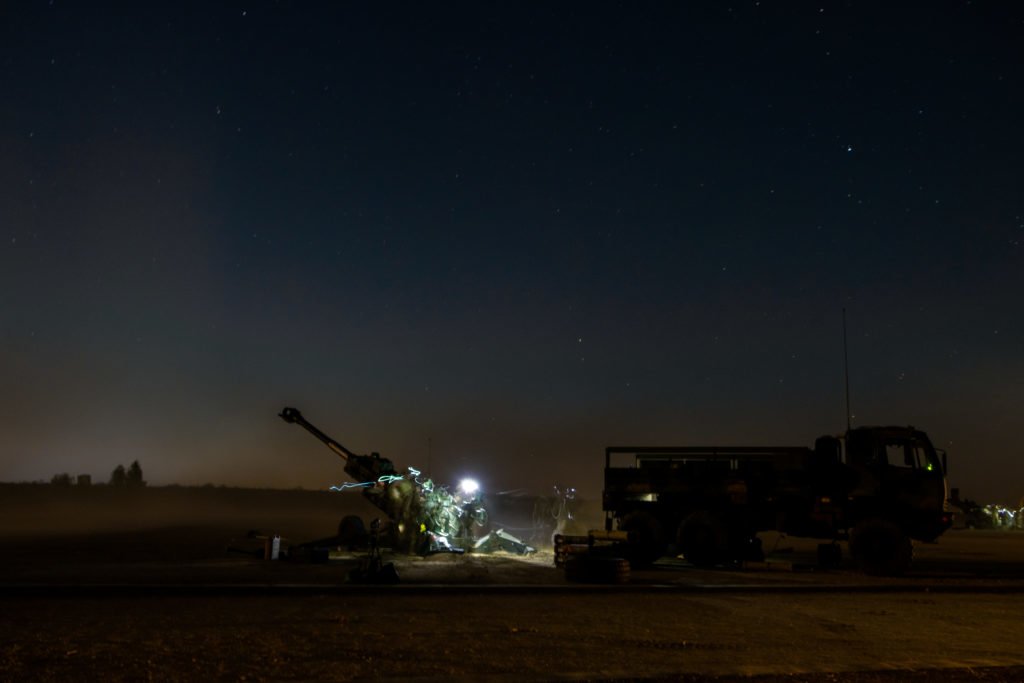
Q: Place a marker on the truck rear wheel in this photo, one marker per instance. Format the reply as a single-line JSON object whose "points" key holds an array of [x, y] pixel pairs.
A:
{"points": [[702, 539], [880, 548], [646, 538]]}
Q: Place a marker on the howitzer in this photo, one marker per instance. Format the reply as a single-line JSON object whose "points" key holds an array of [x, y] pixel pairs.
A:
{"points": [[392, 493]]}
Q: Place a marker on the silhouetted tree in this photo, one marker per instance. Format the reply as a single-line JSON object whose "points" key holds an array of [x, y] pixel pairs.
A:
{"points": [[62, 479], [118, 476], [134, 475]]}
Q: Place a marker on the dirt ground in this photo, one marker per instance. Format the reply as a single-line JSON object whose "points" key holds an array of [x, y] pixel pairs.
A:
{"points": [[155, 594]]}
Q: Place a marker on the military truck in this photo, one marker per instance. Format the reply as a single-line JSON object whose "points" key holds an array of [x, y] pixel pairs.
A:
{"points": [[877, 487]]}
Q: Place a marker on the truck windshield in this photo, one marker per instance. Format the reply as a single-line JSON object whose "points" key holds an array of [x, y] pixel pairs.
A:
{"points": [[910, 454]]}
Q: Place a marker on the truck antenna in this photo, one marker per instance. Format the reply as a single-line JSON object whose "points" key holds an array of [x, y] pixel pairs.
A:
{"points": [[846, 372]]}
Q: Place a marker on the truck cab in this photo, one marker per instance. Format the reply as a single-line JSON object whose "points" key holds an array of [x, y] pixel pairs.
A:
{"points": [[898, 475]]}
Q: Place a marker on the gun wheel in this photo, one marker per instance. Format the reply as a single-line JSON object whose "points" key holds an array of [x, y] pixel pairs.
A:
{"points": [[352, 532]]}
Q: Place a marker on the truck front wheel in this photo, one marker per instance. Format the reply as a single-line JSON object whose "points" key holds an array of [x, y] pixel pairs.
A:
{"points": [[880, 548], [702, 539], [646, 538]]}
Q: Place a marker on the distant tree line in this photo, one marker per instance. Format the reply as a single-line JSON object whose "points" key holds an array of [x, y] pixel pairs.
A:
{"points": [[120, 477], [130, 478]]}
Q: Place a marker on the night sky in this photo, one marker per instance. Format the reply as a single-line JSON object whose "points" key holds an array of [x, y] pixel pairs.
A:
{"points": [[493, 238]]}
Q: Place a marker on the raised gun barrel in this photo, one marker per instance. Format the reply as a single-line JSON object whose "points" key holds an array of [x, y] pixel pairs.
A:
{"points": [[362, 468], [293, 416]]}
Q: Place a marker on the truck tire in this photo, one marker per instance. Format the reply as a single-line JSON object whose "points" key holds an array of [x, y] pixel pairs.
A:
{"points": [[830, 555], [646, 539], [880, 548], [702, 539]]}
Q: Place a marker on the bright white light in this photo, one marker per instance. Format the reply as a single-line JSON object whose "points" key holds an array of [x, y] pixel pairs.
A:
{"points": [[469, 486]]}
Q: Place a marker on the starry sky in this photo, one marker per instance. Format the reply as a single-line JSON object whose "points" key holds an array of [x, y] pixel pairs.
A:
{"points": [[493, 238]]}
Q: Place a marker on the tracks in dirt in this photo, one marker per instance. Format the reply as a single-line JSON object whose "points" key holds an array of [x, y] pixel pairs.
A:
{"points": [[32, 590]]}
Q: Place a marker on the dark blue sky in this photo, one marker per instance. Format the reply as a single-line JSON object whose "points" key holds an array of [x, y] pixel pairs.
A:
{"points": [[523, 232]]}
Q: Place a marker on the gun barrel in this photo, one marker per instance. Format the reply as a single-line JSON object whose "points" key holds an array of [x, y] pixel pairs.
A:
{"points": [[293, 416]]}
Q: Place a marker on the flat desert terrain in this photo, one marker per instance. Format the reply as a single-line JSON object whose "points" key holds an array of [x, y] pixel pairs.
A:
{"points": [[157, 584]]}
